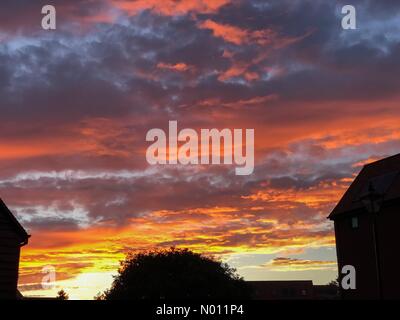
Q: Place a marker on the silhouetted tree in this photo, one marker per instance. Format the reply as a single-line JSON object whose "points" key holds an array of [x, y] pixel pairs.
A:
{"points": [[175, 274], [334, 283], [62, 295], [334, 286]]}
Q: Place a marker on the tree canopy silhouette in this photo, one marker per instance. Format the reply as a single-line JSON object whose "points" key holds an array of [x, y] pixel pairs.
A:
{"points": [[62, 295], [175, 274]]}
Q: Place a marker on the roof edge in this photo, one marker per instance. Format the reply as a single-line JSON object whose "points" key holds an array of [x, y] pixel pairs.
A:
{"points": [[18, 227], [380, 160]]}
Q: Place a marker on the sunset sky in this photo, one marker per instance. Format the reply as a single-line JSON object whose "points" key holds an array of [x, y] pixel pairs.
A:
{"points": [[76, 104]]}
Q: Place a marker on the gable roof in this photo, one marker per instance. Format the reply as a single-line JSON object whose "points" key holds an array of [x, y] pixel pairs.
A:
{"points": [[14, 222], [382, 176]]}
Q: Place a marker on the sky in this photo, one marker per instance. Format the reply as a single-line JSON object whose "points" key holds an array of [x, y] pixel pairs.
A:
{"points": [[76, 104]]}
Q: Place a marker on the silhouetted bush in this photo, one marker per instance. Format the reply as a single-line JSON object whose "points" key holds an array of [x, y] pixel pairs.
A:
{"points": [[175, 274]]}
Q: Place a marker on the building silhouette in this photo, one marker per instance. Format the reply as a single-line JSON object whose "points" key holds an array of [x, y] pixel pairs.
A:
{"points": [[367, 223], [12, 238]]}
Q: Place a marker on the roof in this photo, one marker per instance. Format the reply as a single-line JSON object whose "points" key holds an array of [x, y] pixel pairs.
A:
{"points": [[14, 222], [382, 176]]}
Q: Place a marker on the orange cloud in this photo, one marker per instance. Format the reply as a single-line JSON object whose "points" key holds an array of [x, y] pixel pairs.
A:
{"points": [[14, 149], [265, 38], [181, 67], [238, 104], [170, 7], [228, 33], [314, 197], [290, 264], [240, 36]]}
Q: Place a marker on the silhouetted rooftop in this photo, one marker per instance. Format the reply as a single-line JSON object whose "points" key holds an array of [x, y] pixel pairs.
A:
{"points": [[16, 225], [382, 176]]}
